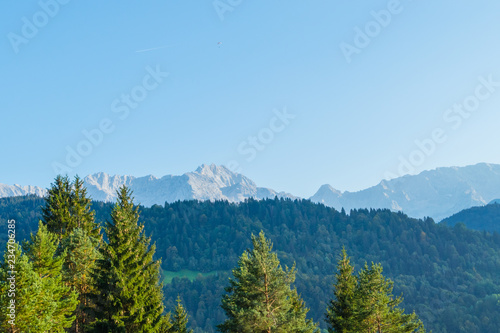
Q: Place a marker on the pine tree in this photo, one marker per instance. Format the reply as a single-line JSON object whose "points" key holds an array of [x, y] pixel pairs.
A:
{"points": [[341, 312], [59, 301], [26, 291], [179, 324], [377, 307], [129, 296], [259, 297]]}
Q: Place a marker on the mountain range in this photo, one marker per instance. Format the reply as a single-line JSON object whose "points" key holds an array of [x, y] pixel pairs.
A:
{"points": [[18, 190], [208, 182], [437, 193]]}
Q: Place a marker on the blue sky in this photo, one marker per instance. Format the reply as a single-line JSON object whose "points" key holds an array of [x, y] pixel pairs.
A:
{"points": [[347, 118]]}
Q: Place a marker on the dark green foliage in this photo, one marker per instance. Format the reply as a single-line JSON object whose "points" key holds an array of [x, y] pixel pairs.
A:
{"points": [[82, 213], [449, 276], [259, 298], [440, 270], [201, 299], [180, 319], [67, 208], [478, 218], [129, 296], [365, 303], [56, 213], [79, 265], [341, 313], [68, 214], [25, 210]]}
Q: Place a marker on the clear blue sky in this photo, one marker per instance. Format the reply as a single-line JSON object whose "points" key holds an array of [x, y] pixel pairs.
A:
{"points": [[353, 120]]}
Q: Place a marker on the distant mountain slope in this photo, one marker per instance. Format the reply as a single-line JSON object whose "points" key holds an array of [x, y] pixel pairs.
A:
{"points": [[437, 193], [478, 218], [18, 190], [208, 182]]}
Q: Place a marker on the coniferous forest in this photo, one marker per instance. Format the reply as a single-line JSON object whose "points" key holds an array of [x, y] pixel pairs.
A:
{"points": [[478, 218], [259, 266]]}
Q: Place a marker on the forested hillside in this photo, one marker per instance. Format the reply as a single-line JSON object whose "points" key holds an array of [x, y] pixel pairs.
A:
{"points": [[478, 218], [449, 276]]}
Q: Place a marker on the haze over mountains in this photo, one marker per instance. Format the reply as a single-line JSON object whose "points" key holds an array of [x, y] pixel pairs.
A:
{"points": [[208, 182], [436, 193], [18, 190]]}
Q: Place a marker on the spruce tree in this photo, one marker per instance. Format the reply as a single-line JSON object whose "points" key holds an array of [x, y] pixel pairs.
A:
{"points": [[129, 296], [59, 301], [180, 320], [165, 324], [341, 312], [56, 214], [298, 316], [82, 214], [67, 209], [365, 303], [79, 265], [259, 297]]}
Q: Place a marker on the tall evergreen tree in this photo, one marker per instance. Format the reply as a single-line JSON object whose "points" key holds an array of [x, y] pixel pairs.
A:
{"points": [[67, 207], [377, 307], [79, 265], [129, 295], [180, 320], [83, 215], [59, 301], [56, 213], [365, 303], [259, 297], [341, 312], [165, 324]]}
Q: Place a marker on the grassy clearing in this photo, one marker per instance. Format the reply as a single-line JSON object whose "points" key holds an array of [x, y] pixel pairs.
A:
{"points": [[185, 273]]}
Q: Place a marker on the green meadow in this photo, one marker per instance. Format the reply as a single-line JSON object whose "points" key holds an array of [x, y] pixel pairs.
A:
{"points": [[185, 273]]}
